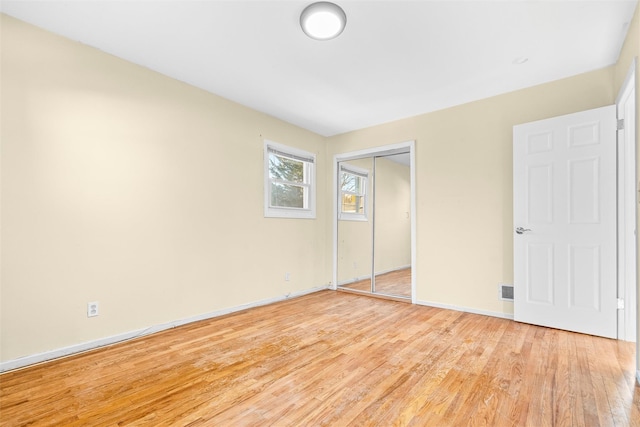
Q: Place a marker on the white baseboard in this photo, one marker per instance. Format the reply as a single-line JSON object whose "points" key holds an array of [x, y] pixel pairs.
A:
{"points": [[368, 276], [465, 309], [91, 345], [353, 280], [389, 270]]}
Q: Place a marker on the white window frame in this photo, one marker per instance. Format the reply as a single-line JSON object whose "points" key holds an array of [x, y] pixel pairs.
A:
{"points": [[350, 216], [309, 159]]}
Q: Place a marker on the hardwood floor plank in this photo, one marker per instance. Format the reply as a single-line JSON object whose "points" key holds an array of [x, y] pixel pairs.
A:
{"points": [[335, 359], [586, 385], [564, 384], [610, 397], [511, 377]]}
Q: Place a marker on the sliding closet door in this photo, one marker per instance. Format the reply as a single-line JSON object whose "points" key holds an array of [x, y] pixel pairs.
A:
{"points": [[392, 226], [355, 229], [374, 224]]}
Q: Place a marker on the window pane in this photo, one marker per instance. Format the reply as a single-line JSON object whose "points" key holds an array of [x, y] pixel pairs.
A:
{"points": [[348, 182], [352, 183], [352, 204], [359, 185], [285, 169], [287, 196]]}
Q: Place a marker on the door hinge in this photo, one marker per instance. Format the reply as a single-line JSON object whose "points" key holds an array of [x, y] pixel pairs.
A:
{"points": [[620, 124], [620, 304]]}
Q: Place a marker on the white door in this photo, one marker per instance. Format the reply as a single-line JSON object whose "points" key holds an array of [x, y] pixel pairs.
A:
{"points": [[564, 195]]}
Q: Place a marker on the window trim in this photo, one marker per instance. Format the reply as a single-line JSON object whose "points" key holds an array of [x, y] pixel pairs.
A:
{"points": [[308, 212], [350, 216]]}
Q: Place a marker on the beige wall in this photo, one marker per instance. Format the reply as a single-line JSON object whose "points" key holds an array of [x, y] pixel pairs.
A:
{"points": [[464, 184], [123, 186]]}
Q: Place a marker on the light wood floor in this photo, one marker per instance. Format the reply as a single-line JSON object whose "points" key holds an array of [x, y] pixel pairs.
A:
{"points": [[397, 283], [336, 359]]}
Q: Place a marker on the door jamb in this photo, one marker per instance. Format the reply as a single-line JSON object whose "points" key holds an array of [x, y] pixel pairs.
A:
{"points": [[627, 203]]}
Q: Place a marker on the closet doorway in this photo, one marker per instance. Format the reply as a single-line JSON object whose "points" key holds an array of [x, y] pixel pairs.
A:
{"points": [[374, 225]]}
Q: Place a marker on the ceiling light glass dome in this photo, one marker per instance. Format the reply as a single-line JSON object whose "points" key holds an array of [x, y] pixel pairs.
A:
{"points": [[323, 20]]}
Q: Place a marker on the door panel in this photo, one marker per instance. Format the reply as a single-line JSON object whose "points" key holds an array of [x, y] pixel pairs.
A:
{"points": [[584, 277], [540, 203], [565, 204], [540, 279], [584, 191]]}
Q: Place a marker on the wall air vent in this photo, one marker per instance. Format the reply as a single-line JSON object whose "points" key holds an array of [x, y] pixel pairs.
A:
{"points": [[505, 292]]}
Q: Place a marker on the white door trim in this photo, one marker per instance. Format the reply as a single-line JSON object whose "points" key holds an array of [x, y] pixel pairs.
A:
{"points": [[369, 152], [627, 210]]}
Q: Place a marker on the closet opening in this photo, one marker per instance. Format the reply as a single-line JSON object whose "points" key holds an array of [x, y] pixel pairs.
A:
{"points": [[374, 222]]}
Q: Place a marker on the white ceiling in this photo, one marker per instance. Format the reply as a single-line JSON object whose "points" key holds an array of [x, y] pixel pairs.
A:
{"points": [[395, 59]]}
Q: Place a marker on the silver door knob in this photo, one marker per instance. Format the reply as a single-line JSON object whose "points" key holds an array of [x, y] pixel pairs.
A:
{"points": [[521, 230]]}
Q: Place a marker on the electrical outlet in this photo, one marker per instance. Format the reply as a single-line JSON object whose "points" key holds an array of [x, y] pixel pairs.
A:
{"points": [[92, 309], [287, 276]]}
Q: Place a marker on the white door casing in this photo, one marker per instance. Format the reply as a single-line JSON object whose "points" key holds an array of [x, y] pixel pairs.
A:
{"points": [[627, 202], [564, 189]]}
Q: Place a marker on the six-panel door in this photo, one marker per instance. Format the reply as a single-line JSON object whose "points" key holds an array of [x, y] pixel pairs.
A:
{"points": [[564, 189]]}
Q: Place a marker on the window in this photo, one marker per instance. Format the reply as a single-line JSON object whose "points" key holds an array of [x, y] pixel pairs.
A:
{"points": [[289, 182], [353, 193]]}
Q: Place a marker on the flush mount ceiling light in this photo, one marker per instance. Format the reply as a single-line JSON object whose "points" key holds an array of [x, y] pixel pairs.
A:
{"points": [[323, 20]]}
